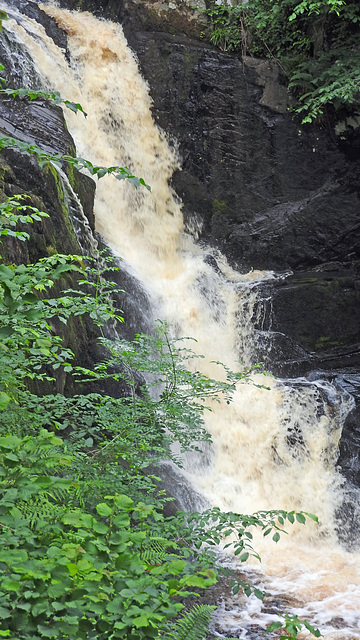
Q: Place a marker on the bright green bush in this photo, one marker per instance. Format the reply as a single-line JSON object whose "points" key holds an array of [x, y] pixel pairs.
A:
{"points": [[71, 572]]}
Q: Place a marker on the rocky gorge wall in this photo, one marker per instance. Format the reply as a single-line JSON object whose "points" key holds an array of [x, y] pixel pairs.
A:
{"points": [[268, 193], [20, 174], [68, 198]]}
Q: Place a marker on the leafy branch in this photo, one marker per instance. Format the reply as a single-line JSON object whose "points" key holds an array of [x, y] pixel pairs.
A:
{"points": [[13, 212], [290, 627], [53, 98], [43, 157], [213, 526]]}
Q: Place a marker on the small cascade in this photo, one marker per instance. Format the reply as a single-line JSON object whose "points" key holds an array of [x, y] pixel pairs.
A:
{"points": [[272, 448], [85, 237]]}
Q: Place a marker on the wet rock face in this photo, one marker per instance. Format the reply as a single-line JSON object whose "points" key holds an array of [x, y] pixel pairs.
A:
{"points": [[176, 17], [349, 459], [20, 174], [31, 9], [271, 196], [311, 320]]}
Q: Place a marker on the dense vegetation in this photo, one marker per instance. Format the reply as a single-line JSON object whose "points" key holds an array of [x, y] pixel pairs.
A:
{"points": [[316, 43]]}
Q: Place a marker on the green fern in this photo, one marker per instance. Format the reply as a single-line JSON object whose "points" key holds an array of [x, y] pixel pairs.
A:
{"points": [[40, 508], [156, 550], [193, 625], [72, 497]]}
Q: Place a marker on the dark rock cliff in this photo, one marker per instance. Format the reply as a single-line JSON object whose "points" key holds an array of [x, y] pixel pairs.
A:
{"points": [[21, 175], [268, 193]]}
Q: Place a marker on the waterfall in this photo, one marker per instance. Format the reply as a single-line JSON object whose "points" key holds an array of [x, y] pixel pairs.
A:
{"points": [[272, 448]]}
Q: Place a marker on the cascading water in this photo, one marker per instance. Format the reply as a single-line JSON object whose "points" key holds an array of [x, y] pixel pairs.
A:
{"points": [[271, 449]]}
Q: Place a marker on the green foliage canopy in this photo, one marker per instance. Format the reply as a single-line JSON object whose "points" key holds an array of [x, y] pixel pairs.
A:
{"points": [[316, 42]]}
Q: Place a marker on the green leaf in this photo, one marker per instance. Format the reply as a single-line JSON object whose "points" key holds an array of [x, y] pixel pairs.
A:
{"points": [[30, 297], [72, 568], [13, 556], [123, 502], [122, 520], [34, 315], [6, 273], [141, 621], [9, 442], [11, 585], [47, 631], [104, 510], [40, 607], [63, 268], [300, 518], [100, 527], [290, 517], [57, 589], [5, 332], [194, 581], [4, 400], [176, 567], [276, 537], [78, 519], [312, 516], [273, 626], [53, 551]]}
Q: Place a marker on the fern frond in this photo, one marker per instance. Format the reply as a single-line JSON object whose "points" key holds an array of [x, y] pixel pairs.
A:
{"points": [[193, 625], [40, 508], [48, 506], [72, 497], [155, 551]]}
